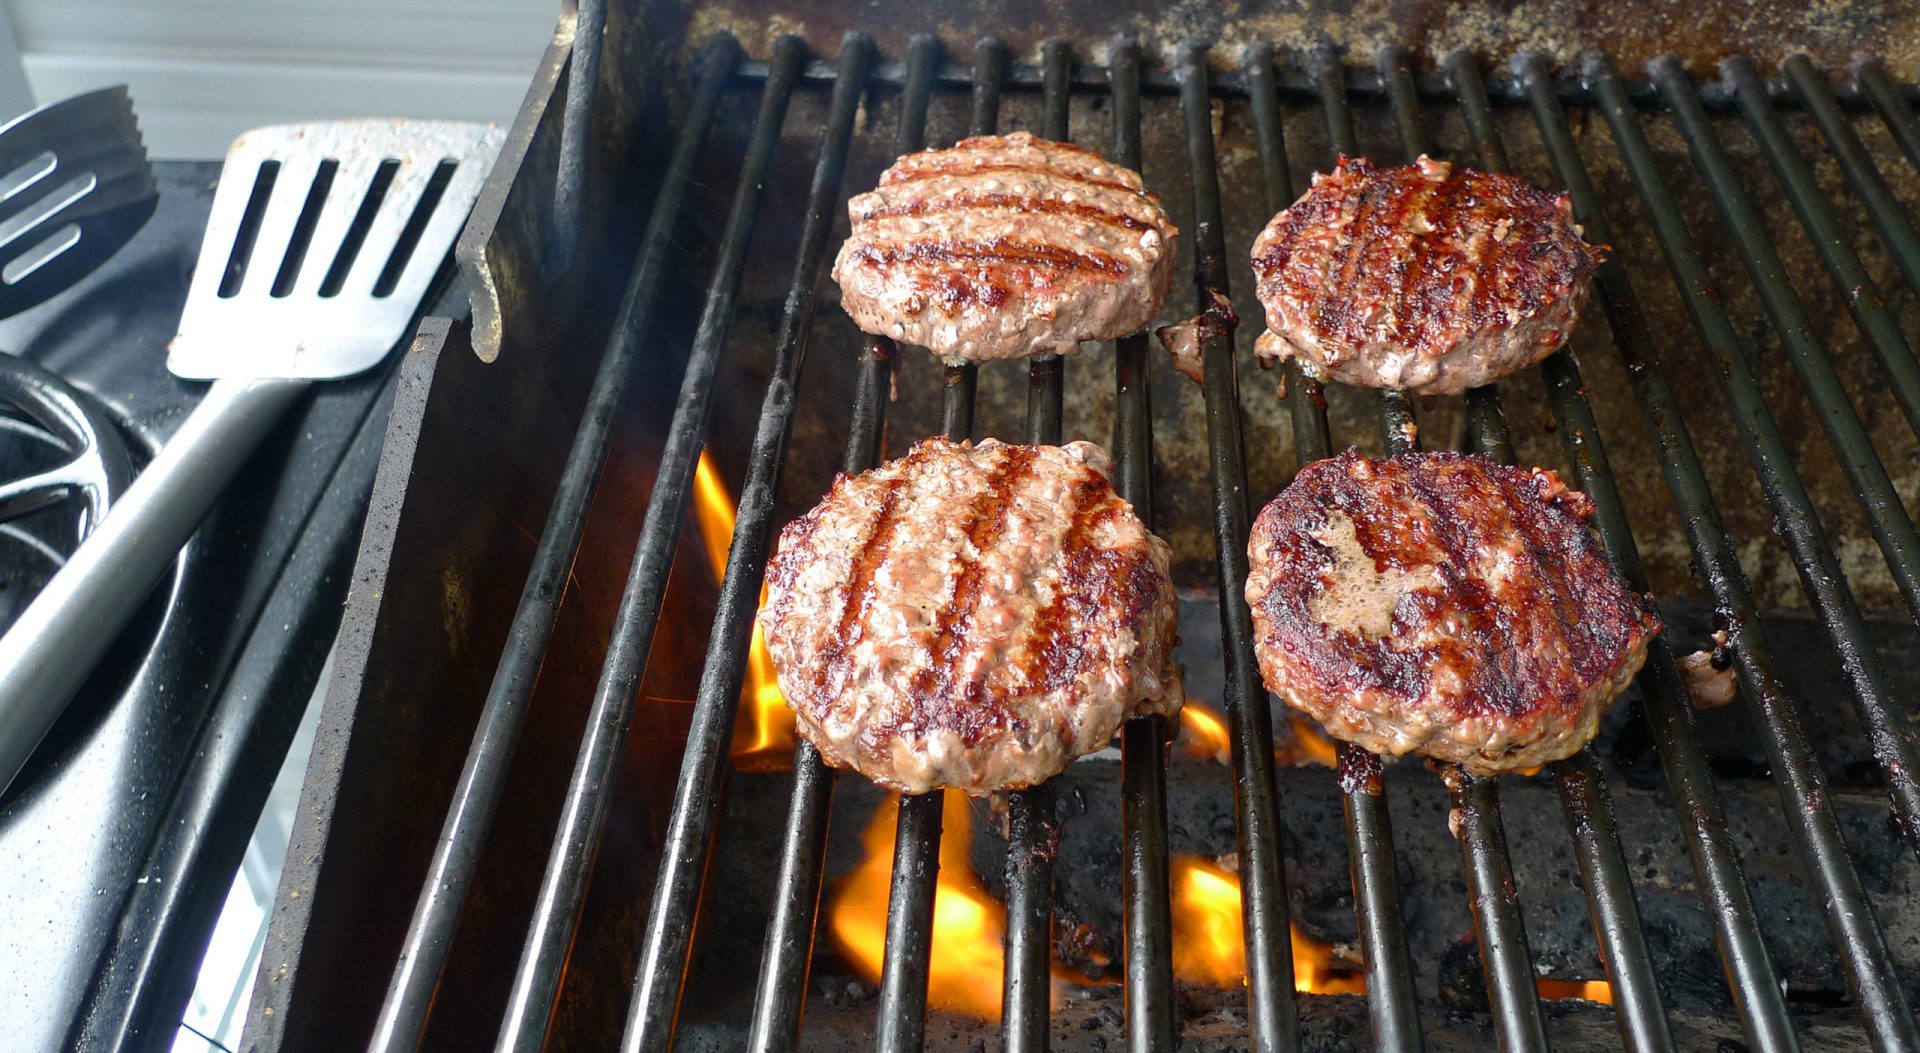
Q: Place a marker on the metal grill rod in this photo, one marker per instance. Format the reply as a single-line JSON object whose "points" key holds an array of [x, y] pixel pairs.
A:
{"points": [[1393, 1007], [1797, 522], [1263, 905], [780, 994], [1886, 516], [916, 845], [1893, 102], [1743, 952], [1501, 933], [1365, 86], [697, 793], [537, 977], [1581, 785], [1889, 216], [1877, 324], [1029, 867], [1143, 740], [1849, 915], [483, 776]]}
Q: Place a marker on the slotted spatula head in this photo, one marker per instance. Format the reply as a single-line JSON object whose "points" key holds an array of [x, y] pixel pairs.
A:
{"points": [[322, 240], [75, 186]]}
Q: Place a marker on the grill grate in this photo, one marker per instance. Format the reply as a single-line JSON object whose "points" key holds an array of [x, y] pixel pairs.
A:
{"points": [[1582, 788]]}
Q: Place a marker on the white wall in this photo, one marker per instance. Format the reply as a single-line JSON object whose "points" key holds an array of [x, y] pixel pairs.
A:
{"points": [[203, 71]]}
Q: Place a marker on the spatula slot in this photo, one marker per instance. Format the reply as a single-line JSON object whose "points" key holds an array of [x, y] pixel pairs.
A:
{"points": [[303, 229], [44, 209], [362, 224], [249, 229], [20, 267], [416, 226], [32, 171]]}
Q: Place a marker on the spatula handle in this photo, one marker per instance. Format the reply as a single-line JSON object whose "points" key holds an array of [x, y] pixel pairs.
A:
{"points": [[63, 633]]}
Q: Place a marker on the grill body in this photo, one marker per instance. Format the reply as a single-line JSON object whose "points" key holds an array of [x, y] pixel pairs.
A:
{"points": [[525, 670]]}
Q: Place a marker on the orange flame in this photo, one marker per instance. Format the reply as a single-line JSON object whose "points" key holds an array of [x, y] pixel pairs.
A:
{"points": [[1208, 945], [1586, 990], [713, 514], [968, 925], [1309, 744], [1205, 732]]}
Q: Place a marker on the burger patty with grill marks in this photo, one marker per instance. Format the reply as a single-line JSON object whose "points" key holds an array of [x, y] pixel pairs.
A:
{"points": [[971, 617], [1443, 604], [1427, 277], [1005, 246]]}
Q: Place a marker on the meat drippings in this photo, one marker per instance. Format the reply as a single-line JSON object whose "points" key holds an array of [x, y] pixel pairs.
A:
{"points": [[1357, 596]]}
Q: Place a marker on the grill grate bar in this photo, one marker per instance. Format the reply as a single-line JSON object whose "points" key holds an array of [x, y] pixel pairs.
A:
{"points": [[1368, 86], [696, 799], [1581, 785], [1143, 741], [1743, 953], [916, 845], [1849, 915], [781, 993], [1029, 867], [1863, 173], [1870, 312], [1505, 957], [1798, 523], [909, 954], [1886, 516], [1263, 906], [1892, 102], [542, 959], [483, 776], [1391, 1001]]}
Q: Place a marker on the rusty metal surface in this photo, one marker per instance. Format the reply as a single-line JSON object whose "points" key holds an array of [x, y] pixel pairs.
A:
{"points": [[1634, 30]]}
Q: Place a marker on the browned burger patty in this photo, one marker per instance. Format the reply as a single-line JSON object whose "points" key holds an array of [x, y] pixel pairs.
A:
{"points": [[1444, 604], [1427, 277], [1005, 246], [971, 617]]}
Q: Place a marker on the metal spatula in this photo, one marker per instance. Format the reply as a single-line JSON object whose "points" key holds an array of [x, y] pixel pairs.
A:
{"points": [[75, 187], [322, 241]]}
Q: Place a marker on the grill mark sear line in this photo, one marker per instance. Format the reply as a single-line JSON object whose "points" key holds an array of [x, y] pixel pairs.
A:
{"points": [[1332, 310], [1051, 650], [1406, 285], [1002, 251], [929, 171], [934, 685], [872, 554], [1015, 202]]}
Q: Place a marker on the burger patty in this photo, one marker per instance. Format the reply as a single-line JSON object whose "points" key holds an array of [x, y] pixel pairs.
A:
{"points": [[1427, 277], [1005, 246], [1444, 604], [971, 617]]}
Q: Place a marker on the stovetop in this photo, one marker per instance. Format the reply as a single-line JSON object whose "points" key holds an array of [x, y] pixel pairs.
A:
{"points": [[119, 840]]}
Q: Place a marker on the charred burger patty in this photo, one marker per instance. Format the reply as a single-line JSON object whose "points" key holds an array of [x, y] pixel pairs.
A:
{"points": [[1428, 277], [1443, 604], [971, 617], [1005, 246]]}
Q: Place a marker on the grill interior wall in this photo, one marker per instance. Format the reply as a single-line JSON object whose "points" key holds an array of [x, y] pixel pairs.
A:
{"points": [[592, 1000]]}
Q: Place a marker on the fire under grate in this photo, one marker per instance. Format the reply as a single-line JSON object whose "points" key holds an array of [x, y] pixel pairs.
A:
{"points": [[1604, 845]]}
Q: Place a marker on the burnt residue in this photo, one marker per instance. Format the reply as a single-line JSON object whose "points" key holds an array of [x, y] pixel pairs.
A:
{"points": [[1635, 30]]}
